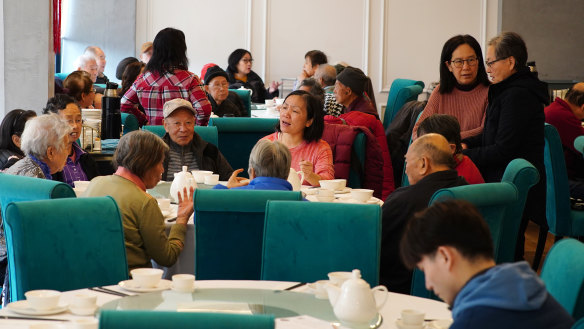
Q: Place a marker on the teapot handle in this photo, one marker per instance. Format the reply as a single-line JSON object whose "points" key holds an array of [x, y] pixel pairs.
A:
{"points": [[379, 303]]}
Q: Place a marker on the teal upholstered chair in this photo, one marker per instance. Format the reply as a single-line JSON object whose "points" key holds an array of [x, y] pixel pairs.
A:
{"points": [[303, 241], [561, 219], [579, 144], [494, 201], [401, 92], [74, 244], [579, 324], [237, 136], [563, 274], [207, 133], [61, 76], [129, 122], [229, 232], [245, 96], [405, 180], [355, 179], [110, 319]]}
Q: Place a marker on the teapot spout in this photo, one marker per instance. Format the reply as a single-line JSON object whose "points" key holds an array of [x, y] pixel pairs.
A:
{"points": [[333, 293]]}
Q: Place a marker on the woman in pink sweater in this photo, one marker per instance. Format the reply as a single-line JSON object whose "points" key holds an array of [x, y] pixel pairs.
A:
{"points": [[300, 129], [463, 87]]}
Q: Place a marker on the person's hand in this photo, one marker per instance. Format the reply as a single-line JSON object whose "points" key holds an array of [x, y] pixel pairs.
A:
{"points": [[235, 181], [185, 205], [306, 167], [464, 146], [274, 86]]}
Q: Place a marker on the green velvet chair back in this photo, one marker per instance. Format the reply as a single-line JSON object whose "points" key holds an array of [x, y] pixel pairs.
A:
{"points": [[74, 244], [207, 133], [523, 175], [130, 123], [303, 241], [62, 76], [401, 92], [579, 144], [579, 324], [561, 219], [245, 96], [563, 274], [359, 148], [237, 136], [494, 201], [109, 319], [229, 232]]}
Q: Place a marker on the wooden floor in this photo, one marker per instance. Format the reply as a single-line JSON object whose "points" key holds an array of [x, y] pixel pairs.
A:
{"points": [[531, 243]]}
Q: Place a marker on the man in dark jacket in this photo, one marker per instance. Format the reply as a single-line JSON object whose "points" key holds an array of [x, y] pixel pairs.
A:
{"points": [[187, 148], [429, 166], [452, 244], [223, 101]]}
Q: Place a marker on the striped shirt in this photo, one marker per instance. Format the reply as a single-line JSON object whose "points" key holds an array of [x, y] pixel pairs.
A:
{"points": [[319, 153], [331, 107], [178, 157], [469, 107], [152, 90]]}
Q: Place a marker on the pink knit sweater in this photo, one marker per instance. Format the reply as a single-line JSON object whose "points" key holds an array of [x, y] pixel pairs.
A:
{"points": [[469, 107]]}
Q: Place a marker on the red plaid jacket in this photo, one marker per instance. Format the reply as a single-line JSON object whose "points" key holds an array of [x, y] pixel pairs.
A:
{"points": [[152, 90]]}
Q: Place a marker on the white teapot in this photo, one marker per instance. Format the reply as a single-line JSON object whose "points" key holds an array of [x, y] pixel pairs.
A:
{"points": [[183, 179], [250, 91], [294, 180], [355, 303]]}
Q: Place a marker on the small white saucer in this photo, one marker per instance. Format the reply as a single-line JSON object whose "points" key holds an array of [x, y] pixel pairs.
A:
{"points": [[131, 285], [185, 291], [23, 307], [82, 310], [439, 324], [399, 323]]}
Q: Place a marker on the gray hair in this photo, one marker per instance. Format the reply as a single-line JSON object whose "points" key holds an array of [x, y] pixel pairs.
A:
{"points": [[327, 73], [139, 151], [509, 44], [42, 132], [82, 60], [92, 51], [270, 159]]}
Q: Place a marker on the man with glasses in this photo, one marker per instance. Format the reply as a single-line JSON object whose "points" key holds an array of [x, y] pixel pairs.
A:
{"points": [[225, 103], [187, 148]]}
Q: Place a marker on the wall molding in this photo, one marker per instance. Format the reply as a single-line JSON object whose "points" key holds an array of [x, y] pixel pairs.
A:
{"points": [[366, 33]]}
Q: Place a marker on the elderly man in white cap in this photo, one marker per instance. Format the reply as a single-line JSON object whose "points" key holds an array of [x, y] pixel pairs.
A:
{"points": [[187, 148]]}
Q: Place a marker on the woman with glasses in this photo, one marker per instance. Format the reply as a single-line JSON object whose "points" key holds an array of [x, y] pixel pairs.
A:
{"points": [[10, 131], [79, 166], [79, 85], [463, 87], [300, 129], [240, 75], [514, 123], [225, 103]]}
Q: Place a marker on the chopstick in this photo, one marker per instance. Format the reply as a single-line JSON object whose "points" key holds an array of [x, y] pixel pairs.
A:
{"points": [[109, 291], [296, 286], [9, 317]]}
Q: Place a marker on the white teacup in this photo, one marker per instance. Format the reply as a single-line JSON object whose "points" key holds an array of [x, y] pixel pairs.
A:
{"points": [[279, 101], [337, 278], [212, 179], [325, 195], [333, 184], [320, 289], [269, 102], [412, 317], [82, 300], [43, 300], [164, 204], [199, 175], [183, 282], [147, 277], [361, 194]]}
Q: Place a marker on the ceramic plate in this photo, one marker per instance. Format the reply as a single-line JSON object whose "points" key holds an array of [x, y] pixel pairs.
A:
{"points": [[439, 324], [22, 307], [131, 285]]}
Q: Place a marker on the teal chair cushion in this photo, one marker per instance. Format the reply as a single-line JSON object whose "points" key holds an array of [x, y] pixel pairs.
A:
{"points": [[109, 319], [207, 133], [130, 123], [237, 136], [579, 324], [61, 76], [303, 241], [400, 92], [245, 96], [563, 274], [357, 161], [229, 232], [579, 144], [76, 243]]}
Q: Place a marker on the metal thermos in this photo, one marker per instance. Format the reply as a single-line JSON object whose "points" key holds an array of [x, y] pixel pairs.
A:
{"points": [[111, 119]]}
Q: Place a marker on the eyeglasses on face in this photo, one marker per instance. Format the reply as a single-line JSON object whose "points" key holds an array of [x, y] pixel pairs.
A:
{"points": [[459, 63], [490, 64], [247, 61]]}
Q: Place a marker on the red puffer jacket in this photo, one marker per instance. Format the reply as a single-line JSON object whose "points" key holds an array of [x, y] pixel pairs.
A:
{"points": [[356, 118]]}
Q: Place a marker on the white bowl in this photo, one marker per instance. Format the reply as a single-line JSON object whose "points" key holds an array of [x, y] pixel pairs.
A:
{"points": [[361, 194], [211, 179], [147, 277], [337, 278], [199, 175], [43, 300], [325, 198], [333, 184]]}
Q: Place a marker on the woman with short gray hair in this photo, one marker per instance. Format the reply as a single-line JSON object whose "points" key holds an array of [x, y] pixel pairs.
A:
{"points": [[269, 167], [44, 142], [139, 158]]}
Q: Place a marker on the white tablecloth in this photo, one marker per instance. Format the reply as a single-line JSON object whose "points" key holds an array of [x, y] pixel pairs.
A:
{"points": [[390, 311]]}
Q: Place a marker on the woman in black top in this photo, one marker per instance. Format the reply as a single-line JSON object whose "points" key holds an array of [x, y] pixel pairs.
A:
{"points": [[10, 130], [240, 75]]}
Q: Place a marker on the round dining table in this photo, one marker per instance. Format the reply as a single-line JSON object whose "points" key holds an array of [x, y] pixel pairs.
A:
{"points": [[252, 297]]}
